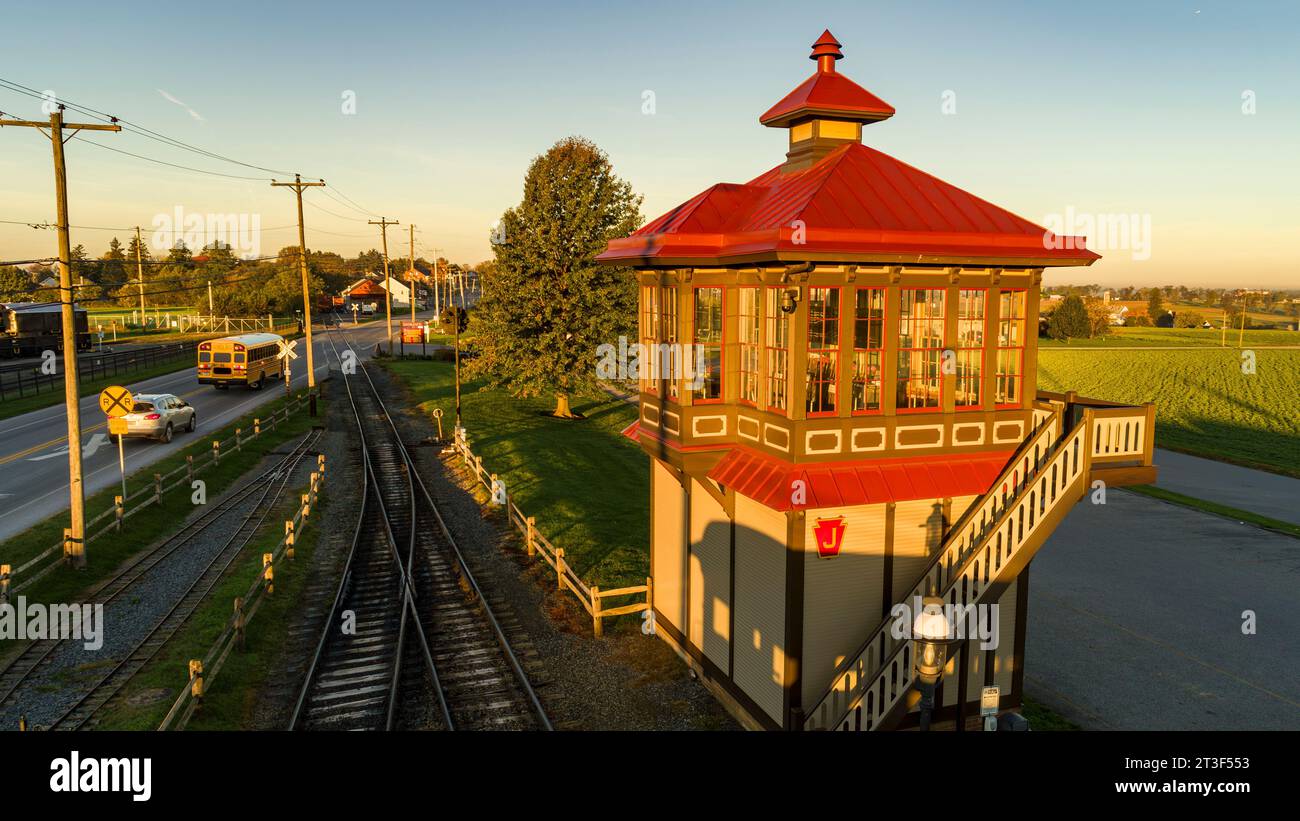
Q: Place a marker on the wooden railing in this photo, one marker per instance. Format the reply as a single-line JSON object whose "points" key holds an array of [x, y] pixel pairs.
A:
{"points": [[203, 671], [123, 509], [590, 597], [1058, 480]]}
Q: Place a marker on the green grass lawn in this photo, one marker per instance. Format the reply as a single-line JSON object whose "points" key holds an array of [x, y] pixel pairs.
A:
{"points": [[587, 486], [1205, 405], [1180, 337]]}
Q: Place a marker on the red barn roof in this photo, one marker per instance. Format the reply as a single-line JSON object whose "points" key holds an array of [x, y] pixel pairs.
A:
{"points": [[855, 204]]}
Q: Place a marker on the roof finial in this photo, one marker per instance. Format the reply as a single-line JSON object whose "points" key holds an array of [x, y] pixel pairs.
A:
{"points": [[826, 51]]}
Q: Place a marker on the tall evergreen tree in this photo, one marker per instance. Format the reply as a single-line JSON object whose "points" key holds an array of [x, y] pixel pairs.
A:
{"points": [[1155, 304], [1070, 321], [548, 306]]}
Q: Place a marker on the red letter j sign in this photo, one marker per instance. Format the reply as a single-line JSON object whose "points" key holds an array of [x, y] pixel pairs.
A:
{"points": [[830, 535]]}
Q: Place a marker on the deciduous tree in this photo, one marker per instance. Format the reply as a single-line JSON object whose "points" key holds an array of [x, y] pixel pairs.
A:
{"points": [[547, 305]]}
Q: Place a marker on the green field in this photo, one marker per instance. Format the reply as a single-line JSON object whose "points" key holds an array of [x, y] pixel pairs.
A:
{"points": [[1176, 337], [1205, 405], [587, 486]]}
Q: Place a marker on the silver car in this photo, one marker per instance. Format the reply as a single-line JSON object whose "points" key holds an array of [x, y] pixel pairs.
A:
{"points": [[159, 415]]}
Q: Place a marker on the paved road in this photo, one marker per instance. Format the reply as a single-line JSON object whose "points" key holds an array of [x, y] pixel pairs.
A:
{"points": [[1257, 491], [33, 449], [1135, 620]]}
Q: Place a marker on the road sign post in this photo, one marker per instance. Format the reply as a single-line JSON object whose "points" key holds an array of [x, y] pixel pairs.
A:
{"points": [[285, 355], [116, 402], [989, 698]]}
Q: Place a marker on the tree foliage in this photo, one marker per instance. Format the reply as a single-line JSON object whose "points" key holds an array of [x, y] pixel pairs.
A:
{"points": [[1070, 320], [546, 304]]}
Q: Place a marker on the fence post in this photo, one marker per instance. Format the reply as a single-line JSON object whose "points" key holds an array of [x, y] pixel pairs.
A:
{"points": [[306, 506], [196, 680], [239, 622], [157, 488], [595, 611], [119, 511], [559, 568], [67, 543], [189, 468], [313, 489], [4, 583], [216, 452], [257, 426], [268, 573], [649, 593], [532, 534], [478, 467], [237, 441]]}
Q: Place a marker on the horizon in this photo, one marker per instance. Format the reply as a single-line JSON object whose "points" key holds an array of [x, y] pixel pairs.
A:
{"points": [[1112, 131]]}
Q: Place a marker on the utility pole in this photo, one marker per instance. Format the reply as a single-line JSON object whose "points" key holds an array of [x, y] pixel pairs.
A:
{"points": [[388, 282], [410, 278], [139, 272], [74, 547], [211, 310], [297, 185]]}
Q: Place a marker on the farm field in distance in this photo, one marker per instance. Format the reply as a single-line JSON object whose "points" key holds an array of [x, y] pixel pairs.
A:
{"points": [[1176, 337], [1205, 405]]}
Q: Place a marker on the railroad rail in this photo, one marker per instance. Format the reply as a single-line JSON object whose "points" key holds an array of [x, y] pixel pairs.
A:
{"points": [[426, 648], [265, 490]]}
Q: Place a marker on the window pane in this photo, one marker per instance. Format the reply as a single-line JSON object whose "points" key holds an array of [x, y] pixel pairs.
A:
{"points": [[920, 342], [868, 342], [708, 336], [823, 347], [778, 344]]}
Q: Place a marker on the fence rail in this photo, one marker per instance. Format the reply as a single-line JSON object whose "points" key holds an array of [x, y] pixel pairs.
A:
{"points": [[203, 671], [116, 516], [29, 379], [591, 597]]}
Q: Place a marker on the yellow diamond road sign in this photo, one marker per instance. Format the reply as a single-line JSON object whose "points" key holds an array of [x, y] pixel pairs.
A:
{"points": [[115, 401]]}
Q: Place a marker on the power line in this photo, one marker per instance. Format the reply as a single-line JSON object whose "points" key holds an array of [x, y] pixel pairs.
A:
{"points": [[136, 128], [174, 165]]}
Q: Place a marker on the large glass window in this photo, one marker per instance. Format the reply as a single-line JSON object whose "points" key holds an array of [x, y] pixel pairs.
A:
{"points": [[823, 350], [1010, 372], [650, 329], [970, 348], [778, 352], [751, 339], [708, 338], [868, 348], [920, 348]]}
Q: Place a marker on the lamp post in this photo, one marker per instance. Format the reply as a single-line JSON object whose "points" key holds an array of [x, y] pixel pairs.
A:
{"points": [[931, 634]]}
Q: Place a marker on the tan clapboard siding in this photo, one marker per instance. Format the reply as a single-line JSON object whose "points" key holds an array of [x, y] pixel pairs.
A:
{"points": [[1006, 653], [841, 594], [759, 649], [710, 581], [959, 506], [668, 553], [918, 531]]}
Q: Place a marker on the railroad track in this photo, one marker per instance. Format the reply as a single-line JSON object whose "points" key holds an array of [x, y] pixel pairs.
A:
{"points": [[264, 491], [431, 651]]}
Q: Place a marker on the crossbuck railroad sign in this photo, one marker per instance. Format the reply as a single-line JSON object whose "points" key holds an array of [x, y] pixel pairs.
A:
{"points": [[115, 401], [286, 349]]}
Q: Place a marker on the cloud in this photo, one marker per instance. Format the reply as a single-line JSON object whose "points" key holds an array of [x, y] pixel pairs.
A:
{"points": [[169, 98]]}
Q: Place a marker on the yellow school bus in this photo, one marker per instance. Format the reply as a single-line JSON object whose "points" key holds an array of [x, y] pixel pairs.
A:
{"points": [[247, 359]]}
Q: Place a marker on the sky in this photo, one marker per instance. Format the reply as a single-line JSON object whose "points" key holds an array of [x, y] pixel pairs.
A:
{"points": [[1176, 120]]}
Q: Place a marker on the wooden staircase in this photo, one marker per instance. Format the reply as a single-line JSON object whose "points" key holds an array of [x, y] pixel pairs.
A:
{"points": [[983, 554]]}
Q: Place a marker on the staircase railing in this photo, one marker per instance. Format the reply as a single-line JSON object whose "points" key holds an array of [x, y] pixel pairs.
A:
{"points": [[981, 545]]}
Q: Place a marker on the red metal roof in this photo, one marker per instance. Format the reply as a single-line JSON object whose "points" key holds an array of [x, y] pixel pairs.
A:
{"points": [[855, 203], [770, 481], [827, 93]]}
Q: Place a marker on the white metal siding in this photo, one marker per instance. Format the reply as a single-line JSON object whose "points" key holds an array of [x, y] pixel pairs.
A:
{"points": [[841, 594], [760, 604], [668, 553], [710, 580]]}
